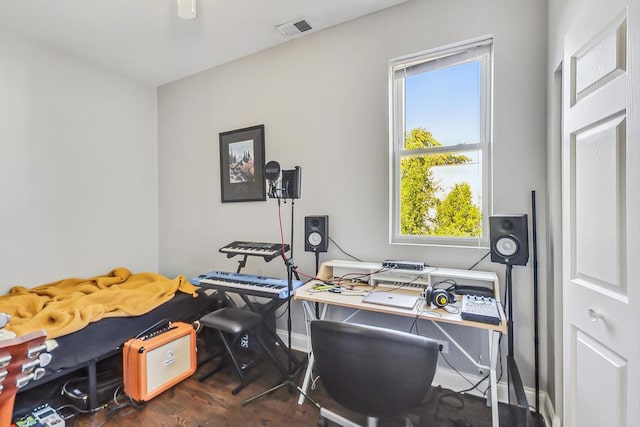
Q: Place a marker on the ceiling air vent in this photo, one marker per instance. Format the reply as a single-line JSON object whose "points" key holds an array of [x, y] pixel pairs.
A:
{"points": [[294, 29]]}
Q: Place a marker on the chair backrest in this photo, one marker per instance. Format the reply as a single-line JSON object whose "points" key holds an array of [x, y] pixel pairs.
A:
{"points": [[373, 371]]}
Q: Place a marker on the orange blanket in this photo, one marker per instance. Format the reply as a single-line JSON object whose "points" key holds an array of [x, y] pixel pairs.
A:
{"points": [[69, 305]]}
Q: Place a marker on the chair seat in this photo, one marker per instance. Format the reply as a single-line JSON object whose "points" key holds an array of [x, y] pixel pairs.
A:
{"points": [[231, 320]]}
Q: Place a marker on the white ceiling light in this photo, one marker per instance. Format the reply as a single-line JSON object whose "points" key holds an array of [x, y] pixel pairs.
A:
{"points": [[186, 9]]}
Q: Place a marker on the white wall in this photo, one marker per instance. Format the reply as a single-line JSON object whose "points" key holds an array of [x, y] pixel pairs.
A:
{"points": [[324, 102], [78, 168]]}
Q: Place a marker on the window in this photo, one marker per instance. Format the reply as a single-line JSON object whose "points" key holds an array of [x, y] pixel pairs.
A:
{"points": [[440, 136]]}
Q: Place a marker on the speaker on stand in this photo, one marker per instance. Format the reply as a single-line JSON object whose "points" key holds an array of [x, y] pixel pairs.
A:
{"points": [[509, 240], [509, 236]]}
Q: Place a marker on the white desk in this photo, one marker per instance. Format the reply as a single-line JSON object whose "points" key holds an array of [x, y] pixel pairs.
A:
{"points": [[372, 275]]}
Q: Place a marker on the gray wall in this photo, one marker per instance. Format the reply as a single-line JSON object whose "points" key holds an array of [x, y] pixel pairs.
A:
{"points": [[324, 102], [78, 168]]}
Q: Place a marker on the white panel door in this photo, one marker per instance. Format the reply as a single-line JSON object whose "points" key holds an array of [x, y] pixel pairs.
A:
{"points": [[601, 212]]}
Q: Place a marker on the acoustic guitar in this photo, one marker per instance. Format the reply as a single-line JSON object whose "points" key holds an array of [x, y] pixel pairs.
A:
{"points": [[22, 360]]}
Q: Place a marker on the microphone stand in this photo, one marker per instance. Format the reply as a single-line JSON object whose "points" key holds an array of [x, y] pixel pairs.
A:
{"points": [[289, 376], [291, 270]]}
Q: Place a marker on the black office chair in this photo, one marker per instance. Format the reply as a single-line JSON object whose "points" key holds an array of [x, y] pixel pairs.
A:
{"points": [[380, 373]]}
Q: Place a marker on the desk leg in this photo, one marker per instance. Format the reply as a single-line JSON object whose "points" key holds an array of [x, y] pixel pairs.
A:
{"points": [[309, 372], [494, 337], [307, 379]]}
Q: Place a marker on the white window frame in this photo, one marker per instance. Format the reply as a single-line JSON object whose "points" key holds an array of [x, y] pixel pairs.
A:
{"points": [[431, 60]]}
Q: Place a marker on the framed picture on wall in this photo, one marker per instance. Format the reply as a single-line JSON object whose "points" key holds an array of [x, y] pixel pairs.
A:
{"points": [[242, 165]]}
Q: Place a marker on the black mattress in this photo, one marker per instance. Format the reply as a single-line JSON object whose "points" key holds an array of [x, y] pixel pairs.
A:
{"points": [[79, 353], [108, 335]]}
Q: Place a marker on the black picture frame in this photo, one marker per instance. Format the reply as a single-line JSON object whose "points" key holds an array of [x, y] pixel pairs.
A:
{"points": [[242, 165]]}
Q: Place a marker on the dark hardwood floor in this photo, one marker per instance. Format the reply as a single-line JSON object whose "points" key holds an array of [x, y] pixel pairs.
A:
{"points": [[210, 403]]}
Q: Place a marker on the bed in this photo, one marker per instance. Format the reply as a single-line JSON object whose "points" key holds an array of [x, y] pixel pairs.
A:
{"points": [[92, 318]]}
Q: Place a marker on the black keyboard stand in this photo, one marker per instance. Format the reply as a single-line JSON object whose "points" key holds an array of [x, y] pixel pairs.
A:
{"points": [[294, 365]]}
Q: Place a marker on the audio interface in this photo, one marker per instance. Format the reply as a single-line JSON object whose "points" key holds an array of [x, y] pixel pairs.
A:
{"points": [[403, 265]]}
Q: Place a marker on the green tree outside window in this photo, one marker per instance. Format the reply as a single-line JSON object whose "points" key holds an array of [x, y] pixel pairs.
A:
{"points": [[423, 211]]}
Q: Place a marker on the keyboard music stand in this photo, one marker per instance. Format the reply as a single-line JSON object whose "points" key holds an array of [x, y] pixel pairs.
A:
{"points": [[242, 263], [288, 378], [267, 258]]}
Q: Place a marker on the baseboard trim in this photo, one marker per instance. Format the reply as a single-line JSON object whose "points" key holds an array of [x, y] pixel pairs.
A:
{"points": [[448, 378], [299, 342]]}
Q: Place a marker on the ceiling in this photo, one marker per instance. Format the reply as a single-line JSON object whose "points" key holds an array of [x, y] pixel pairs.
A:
{"points": [[146, 41]]}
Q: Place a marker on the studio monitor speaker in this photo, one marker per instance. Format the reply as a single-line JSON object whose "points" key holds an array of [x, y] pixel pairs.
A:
{"points": [[316, 233], [509, 235]]}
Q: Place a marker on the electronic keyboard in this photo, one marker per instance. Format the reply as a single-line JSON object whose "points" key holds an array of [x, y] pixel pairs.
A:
{"points": [[248, 284], [266, 250]]}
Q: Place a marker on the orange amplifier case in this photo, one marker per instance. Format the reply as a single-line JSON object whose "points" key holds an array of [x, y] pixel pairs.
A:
{"points": [[155, 363]]}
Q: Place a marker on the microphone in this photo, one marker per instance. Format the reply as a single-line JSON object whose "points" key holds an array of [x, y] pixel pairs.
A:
{"points": [[272, 174], [283, 184]]}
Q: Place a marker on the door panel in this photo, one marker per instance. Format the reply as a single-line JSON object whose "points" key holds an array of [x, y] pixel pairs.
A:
{"points": [[599, 181], [600, 211], [600, 61], [611, 374]]}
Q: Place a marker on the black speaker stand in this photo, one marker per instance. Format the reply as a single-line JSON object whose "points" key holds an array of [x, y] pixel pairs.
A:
{"points": [[514, 380], [509, 279], [317, 305]]}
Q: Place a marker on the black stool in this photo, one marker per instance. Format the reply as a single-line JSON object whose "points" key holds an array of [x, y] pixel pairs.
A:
{"points": [[232, 323]]}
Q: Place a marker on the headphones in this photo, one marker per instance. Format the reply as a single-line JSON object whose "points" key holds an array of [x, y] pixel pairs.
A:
{"points": [[439, 297]]}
